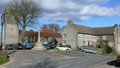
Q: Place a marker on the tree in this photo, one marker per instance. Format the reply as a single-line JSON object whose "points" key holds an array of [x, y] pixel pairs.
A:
{"points": [[24, 12], [45, 26], [62, 28], [54, 26], [51, 26]]}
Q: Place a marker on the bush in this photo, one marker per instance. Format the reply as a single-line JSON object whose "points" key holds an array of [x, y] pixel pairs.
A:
{"points": [[105, 48]]}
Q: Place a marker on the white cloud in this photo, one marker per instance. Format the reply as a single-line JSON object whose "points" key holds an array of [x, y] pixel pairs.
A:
{"points": [[83, 18], [98, 11], [58, 10]]}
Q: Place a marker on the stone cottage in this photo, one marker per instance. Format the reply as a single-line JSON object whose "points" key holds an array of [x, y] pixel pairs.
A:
{"points": [[79, 35]]}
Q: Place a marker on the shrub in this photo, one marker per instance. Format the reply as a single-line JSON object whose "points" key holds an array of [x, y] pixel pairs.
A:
{"points": [[105, 48]]}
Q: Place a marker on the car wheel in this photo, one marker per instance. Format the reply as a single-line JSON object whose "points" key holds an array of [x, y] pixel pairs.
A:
{"points": [[67, 50], [84, 51]]}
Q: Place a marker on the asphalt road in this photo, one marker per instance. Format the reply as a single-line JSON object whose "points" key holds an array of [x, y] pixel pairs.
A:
{"points": [[48, 59]]}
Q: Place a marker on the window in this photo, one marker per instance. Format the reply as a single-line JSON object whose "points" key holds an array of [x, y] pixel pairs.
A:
{"points": [[62, 46], [84, 43]]}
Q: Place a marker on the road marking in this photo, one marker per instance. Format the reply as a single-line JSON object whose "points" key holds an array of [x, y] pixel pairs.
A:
{"points": [[26, 63], [81, 61], [63, 66], [38, 61]]}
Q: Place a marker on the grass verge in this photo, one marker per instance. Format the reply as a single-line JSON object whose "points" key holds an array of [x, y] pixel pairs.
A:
{"points": [[3, 60]]}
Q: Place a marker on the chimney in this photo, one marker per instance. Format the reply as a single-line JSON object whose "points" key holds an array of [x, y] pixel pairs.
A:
{"points": [[115, 25]]}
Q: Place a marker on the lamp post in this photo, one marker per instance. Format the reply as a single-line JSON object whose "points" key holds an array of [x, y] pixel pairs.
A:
{"points": [[2, 23]]}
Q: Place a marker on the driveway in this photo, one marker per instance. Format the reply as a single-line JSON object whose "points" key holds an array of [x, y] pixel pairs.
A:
{"points": [[50, 59]]}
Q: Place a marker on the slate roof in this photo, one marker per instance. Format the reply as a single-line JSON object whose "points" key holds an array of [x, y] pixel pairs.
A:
{"points": [[104, 30], [94, 31]]}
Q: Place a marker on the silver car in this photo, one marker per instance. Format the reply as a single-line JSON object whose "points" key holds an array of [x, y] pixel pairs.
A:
{"points": [[89, 50]]}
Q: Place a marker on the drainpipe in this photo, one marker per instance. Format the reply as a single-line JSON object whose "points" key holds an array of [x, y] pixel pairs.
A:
{"points": [[2, 23]]}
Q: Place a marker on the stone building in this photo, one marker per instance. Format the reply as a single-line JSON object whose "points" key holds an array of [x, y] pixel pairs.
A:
{"points": [[11, 33], [78, 35]]}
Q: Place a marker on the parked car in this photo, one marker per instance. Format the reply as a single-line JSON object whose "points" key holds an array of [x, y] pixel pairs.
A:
{"points": [[9, 47], [19, 46], [89, 50], [28, 45], [52, 46], [63, 48], [68, 46], [118, 60]]}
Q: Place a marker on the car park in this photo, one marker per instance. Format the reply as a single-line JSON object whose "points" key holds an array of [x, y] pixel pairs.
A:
{"points": [[9, 47], [63, 48]]}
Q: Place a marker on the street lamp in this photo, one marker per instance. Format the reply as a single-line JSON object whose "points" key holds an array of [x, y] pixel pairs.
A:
{"points": [[2, 23]]}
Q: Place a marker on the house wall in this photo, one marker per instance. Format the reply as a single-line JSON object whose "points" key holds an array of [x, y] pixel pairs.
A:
{"points": [[108, 38], [117, 39], [86, 40]]}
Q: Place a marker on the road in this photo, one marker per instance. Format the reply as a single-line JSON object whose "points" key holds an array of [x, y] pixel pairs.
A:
{"points": [[49, 59]]}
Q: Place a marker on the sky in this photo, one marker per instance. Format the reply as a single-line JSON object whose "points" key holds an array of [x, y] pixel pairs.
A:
{"points": [[92, 13]]}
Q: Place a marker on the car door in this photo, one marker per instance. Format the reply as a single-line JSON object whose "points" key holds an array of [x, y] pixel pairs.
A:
{"points": [[62, 48]]}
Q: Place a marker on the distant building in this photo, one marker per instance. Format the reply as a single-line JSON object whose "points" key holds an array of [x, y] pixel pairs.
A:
{"points": [[78, 35], [51, 34], [33, 35]]}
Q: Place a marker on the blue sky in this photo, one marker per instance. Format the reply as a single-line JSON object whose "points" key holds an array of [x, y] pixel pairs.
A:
{"points": [[93, 13]]}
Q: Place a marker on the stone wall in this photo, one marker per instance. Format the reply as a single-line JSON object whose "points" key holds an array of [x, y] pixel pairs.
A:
{"points": [[10, 30]]}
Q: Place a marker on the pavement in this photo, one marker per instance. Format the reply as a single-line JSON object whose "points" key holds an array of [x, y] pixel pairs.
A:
{"points": [[53, 59]]}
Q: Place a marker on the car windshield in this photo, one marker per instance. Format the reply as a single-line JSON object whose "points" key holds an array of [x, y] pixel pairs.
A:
{"points": [[19, 44], [62, 46]]}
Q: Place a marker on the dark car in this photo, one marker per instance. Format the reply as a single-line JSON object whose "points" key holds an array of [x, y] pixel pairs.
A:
{"points": [[19, 46], [9, 47], [52, 46], [118, 60]]}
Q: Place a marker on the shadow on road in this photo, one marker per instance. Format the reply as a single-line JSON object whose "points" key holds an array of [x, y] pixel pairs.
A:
{"points": [[113, 63], [45, 64]]}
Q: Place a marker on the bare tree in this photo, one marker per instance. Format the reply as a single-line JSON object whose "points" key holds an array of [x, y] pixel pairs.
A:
{"points": [[44, 26], [54, 26], [51, 26], [24, 12]]}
